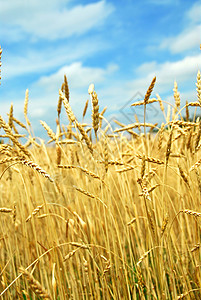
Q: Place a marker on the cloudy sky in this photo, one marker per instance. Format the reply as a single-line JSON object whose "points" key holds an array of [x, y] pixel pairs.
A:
{"points": [[117, 45]]}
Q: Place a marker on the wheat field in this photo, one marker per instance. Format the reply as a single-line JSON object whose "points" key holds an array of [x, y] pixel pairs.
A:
{"points": [[97, 213]]}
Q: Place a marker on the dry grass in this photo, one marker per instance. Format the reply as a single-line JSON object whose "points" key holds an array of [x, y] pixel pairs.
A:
{"points": [[115, 216]]}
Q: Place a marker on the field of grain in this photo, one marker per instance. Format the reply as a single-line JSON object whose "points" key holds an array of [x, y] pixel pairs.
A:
{"points": [[102, 214]]}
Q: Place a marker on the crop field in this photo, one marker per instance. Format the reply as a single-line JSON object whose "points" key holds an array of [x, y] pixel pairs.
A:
{"points": [[96, 213]]}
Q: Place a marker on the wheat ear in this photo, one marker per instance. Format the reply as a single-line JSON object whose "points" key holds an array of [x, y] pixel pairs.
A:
{"points": [[85, 108], [8, 130], [26, 101], [35, 285], [66, 88], [36, 167], [198, 85], [95, 113]]}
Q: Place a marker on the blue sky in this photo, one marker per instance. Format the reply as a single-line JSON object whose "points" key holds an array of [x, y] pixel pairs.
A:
{"points": [[117, 45]]}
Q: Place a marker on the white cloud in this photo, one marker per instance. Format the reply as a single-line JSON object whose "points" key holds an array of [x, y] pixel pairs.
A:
{"points": [[194, 14], [51, 20], [78, 76], [188, 39], [34, 61], [166, 73]]}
